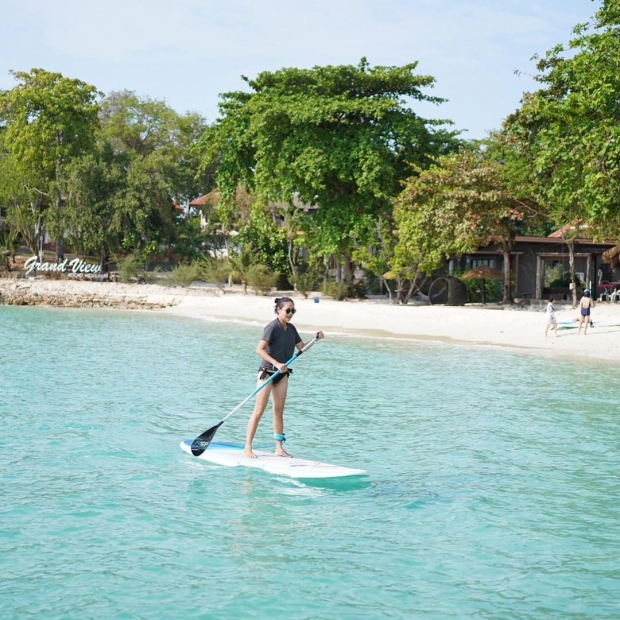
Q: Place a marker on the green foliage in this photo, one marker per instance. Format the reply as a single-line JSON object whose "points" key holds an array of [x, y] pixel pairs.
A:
{"points": [[566, 135], [459, 204], [341, 137], [9, 243], [184, 275], [306, 282], [239, 266], [130, 268], [48, 120], [93, 185], [215, 271], [140, 127], [492, 291], [261, 279], [143, 216], [188, 239], [25, 219], [337, 290], [558, 277], [265, 242]]}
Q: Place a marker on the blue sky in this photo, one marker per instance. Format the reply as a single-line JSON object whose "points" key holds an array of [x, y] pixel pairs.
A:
{"points": [[188, 51]]}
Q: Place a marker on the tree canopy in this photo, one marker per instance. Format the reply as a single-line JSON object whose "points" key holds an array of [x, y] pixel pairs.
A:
{"points": [[339, 137], [48, 120], [459, 204], [567, 134]]}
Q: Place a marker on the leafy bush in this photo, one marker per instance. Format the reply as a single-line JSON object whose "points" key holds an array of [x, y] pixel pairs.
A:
{"points": [[305, 283], [265, 242], [130, 268], [215, 271], [493, 290], [337, 290], [183, 275], [260, 279], [152, 276]]}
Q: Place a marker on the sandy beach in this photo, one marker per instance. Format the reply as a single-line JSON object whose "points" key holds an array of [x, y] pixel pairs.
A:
{"points": [[518, 329]]}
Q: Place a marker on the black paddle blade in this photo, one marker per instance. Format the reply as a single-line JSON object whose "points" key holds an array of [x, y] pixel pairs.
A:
{"points": [[201, 443]]}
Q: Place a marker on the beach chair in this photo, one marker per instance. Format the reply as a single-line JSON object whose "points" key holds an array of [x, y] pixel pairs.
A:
{"points": [[606, 286]]}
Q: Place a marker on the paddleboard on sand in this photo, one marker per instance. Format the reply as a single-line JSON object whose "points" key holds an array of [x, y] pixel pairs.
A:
{"points": [[575, 324], [232, 456]]}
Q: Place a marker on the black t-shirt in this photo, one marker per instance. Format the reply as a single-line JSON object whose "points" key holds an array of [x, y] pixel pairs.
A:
{"points": [[281, 343]]}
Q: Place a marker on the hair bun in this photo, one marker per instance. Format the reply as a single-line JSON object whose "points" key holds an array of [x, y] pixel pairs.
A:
{"points": [[277, 299]]}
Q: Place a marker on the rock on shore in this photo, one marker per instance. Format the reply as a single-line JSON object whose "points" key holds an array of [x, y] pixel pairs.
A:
{"points": [[80, 294]]}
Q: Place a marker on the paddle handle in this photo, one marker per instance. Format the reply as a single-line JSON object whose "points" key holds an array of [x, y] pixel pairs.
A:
{"points": [[271, 378]]}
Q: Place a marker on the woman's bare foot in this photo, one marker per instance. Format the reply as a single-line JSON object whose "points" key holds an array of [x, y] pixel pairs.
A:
{"points": [[247, 452], [283, 452]]}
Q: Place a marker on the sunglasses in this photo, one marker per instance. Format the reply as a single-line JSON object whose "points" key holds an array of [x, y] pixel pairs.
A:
{"points": [[290, 310]]}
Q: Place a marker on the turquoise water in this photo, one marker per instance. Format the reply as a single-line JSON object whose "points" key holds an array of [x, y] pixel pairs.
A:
{"points": [[493, 487]]}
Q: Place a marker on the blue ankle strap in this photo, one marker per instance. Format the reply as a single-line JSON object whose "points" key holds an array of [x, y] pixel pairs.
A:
{"points": [[279, 437]]}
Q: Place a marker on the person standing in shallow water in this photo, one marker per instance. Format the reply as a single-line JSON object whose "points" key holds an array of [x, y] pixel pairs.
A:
{"points": [[585, 304], [277, 346]]}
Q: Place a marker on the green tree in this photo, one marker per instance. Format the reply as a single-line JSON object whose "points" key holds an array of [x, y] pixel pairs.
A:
{"points": [[49, 120], [161, 170], [567, 134], [340, 137], [20, 201], [143, 126], [144, 215], [459, 204], [265, 241], [93, 187]]}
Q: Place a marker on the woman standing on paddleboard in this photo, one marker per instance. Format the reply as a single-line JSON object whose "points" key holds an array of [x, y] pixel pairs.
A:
{"points": [[278, 344]]}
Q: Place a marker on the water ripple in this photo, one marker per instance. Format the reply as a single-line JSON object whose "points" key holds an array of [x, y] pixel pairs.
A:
{"points": [[492, 490]]}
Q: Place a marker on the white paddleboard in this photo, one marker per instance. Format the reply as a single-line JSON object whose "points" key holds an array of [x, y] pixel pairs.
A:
{"points": [[575, 325], [231, 456]]}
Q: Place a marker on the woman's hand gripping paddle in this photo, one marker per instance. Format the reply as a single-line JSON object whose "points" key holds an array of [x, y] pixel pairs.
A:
{"points": [[201, 443]]}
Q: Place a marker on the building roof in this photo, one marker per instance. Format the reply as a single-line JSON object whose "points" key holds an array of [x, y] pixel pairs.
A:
{"points": [[212, 199], [578, 224], [558, 240]]}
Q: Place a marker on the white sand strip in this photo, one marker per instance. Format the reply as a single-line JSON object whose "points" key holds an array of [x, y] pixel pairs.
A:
{"points": [[521, 330]]}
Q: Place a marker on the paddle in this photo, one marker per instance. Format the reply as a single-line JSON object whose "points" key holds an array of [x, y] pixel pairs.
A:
{"points": [[201, 443]]}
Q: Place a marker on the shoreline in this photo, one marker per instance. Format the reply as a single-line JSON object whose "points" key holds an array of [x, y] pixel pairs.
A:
{"points": [[519, 330]]}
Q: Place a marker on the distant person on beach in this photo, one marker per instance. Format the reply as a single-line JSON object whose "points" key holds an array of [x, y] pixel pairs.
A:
{"points": [[277, 346], [551, 320], [585, 304]]}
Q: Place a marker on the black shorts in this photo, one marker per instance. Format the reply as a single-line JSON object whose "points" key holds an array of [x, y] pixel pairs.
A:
{"points": [[264, 373]]}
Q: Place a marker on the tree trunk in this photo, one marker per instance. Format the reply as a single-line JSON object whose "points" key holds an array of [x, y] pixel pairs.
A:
{"points": [[507, 298], [105, 259], [347, 271], [60, 254], [291, 259], [400, 291], [387, 286], [40, 238], [571, 262]]}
